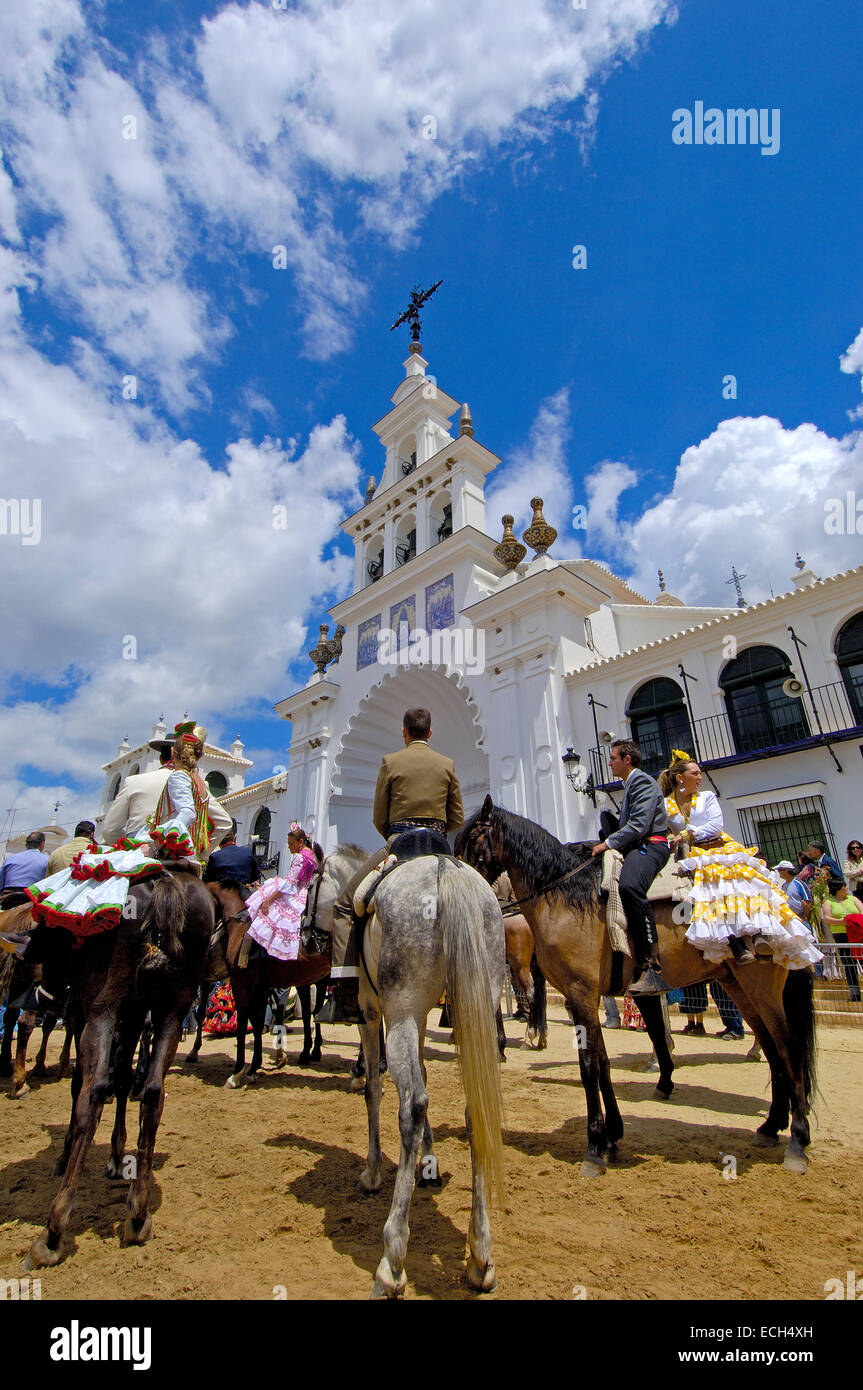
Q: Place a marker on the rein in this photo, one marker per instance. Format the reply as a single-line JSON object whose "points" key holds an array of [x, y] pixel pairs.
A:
{"points": [[509, 910]]}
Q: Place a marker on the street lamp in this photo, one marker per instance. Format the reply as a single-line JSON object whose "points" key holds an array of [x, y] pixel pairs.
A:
{"points": [[575, 772]]}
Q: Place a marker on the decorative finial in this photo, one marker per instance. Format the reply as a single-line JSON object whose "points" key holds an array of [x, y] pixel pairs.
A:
{"points": [[539, 535], [411, 314], [509, 551], [735, 580], [799, 564], [320, 653], [371, 488], [465, 424], [327, 651], [661, 581]]}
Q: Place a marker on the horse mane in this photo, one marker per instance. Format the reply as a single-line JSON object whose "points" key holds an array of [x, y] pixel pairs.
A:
{"points": [[541, 859]]}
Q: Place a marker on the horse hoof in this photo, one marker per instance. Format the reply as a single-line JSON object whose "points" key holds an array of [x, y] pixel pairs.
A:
{"points": [[251, 1078], [19, 1092], [304, 1059], [368, 1184], [235, 1081], [280, 1059], [316, 1054], [591, 1169], [664, 1088], [137, 1232], [386, 1285], [795, 1163], [764, 1141], [430, 1182], [191, 1059], [114, 1170], [39, 1069], [542, 1042], [41, 1255], [483, 1280]]}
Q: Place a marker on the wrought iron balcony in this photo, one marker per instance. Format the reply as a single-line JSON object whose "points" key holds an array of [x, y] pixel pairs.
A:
{"points": [[769, 730]]}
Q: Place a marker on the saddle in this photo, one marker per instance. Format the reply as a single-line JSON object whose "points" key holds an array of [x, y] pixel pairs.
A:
{"points": [[669, 885], [410, 844]]}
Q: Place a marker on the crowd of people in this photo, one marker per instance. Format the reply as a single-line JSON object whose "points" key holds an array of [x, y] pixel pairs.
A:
{"points": [[740, 909]]}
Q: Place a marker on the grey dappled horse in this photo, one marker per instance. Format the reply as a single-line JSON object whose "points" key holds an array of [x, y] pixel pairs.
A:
{"points": [[436, 924]]}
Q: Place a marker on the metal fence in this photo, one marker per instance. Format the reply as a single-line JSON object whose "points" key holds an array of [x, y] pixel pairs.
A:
{"points": [[838, 985]]}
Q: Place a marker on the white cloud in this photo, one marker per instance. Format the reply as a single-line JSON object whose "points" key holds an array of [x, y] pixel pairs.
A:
{"points": [[262, 131], [852, 361], [538, 468], [752, 494]]}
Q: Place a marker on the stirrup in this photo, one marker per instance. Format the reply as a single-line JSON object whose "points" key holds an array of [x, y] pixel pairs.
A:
{"points": [[763, 948]]}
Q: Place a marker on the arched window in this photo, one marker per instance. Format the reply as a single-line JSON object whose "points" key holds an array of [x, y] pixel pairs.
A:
{"points": [[133, 771], [849, 650], [218, 783], [657, 713], [760, 713], [115, 788], [261, 834]]}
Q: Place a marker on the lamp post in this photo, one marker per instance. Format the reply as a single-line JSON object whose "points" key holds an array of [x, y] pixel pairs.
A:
{"points": [[572, 763]]}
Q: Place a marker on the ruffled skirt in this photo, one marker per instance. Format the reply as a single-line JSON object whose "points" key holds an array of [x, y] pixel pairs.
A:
{"points": [[735, 894], [275, 911]]}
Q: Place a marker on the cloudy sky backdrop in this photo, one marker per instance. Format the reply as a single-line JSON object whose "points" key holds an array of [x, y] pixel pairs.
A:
{"points": [[152, 158]]}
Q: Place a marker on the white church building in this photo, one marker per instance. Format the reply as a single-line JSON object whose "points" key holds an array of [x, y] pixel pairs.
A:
{"points": [[531, 663]]}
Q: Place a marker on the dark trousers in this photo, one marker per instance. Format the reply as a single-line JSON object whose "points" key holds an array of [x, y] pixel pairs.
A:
{"points": [[849, 964], [695, 1002], [639, 869]]}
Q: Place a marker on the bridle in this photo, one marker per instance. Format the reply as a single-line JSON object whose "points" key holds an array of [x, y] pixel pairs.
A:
{"points": [[491, 869]]}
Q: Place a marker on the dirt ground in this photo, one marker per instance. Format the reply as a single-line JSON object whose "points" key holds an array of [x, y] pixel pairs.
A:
{"points": [[254, 1191]]}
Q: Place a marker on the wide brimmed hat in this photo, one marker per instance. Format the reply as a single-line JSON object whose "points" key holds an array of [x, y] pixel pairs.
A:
{"points": [[189, 730]]}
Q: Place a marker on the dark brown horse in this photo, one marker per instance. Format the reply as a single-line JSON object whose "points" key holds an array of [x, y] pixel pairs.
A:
{"points": [[151, 963], [17, 980], [252, 984], [560, 888]]}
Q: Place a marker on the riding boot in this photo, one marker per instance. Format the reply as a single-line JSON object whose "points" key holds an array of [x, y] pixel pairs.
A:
{"points": [[650, 980], [343, 1005], [740, 950]]}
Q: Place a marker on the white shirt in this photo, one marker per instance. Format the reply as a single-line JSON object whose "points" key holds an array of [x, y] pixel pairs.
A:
{"points": [[705, 817]]}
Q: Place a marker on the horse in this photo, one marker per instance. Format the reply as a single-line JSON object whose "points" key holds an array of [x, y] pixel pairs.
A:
{"points": [[523, 967], [435, 924], [558, 887], [17, 979], [117, 977], [251, 984]]}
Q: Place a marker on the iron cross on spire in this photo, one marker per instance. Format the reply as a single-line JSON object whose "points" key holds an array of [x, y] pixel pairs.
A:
{"points": [[735, 580], [411, 314]]}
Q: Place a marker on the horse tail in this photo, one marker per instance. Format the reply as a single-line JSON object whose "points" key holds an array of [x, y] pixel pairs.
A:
{"points": [[472, 1012], [799, 1003], [165, 917], [7, 968]]}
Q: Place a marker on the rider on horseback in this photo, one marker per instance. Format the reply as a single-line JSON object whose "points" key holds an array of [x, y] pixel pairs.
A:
{"points": [[416, 787], [643, 840]]}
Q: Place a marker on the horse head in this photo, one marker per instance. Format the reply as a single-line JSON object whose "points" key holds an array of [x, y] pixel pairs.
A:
{"points": [[479, 845]]}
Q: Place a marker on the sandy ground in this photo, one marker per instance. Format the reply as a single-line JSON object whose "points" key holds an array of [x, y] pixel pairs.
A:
{"points": [[254, 1191]]}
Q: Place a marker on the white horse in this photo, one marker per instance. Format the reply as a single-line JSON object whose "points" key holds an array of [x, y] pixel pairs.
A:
{"points": [[436, 923]]}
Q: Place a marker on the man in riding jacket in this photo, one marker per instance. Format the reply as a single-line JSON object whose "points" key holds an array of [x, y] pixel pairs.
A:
{"points": [[642, 839], [416, 787]]}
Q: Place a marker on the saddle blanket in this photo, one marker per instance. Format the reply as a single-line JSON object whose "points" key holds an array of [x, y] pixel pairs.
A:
{"points": [[666, 886]]}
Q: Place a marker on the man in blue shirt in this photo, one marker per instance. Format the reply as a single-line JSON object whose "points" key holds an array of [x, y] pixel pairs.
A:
{"points": [[27, 867]]}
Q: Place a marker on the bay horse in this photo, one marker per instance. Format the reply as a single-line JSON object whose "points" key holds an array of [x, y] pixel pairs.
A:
{"points": [[435, 925], [558, 886], [251, 984], [522, 963], [117, 979]]}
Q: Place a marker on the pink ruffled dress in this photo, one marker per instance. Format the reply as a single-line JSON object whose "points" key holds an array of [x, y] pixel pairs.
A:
{"points": [[276, 908]]}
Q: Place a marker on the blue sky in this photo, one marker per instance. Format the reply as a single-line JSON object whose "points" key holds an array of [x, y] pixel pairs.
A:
{"points": [[257, 127]]}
